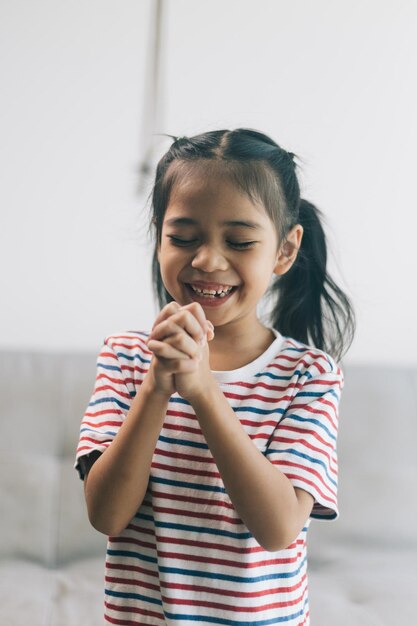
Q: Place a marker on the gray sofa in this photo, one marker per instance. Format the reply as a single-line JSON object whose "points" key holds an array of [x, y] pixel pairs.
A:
{"points": [[363, 567]]}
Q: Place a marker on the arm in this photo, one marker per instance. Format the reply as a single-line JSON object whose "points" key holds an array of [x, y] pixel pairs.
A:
{"points": [[264, 498], [117, 481]]}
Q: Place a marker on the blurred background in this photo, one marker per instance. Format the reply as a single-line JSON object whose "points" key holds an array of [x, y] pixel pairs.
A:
{"points": [[333, 82], [88, 88]]}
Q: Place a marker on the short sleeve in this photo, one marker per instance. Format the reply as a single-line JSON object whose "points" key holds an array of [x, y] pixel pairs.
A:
{"points": [[303, 444], [107, 409]]}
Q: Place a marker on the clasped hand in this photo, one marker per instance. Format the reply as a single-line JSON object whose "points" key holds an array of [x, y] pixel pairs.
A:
{"points": [[179, 343]]}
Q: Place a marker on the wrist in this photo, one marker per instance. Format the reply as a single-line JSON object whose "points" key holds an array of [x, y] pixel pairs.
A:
{"points": [[205, 394], [150, 387]]}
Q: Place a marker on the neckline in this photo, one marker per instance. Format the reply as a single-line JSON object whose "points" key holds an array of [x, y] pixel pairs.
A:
{"points": [[248, 370]]}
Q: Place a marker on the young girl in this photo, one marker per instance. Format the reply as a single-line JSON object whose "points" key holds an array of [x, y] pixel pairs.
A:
{"points": [[210, 442]]}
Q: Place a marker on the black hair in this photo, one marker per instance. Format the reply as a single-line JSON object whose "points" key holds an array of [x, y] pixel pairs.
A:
{"points": [[307, 304]]}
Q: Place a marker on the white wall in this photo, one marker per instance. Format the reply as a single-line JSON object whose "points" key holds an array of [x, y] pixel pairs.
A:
{"points": [[333, 82]]}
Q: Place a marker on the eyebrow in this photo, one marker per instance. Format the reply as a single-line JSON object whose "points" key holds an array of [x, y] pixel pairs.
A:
{"points": [[188, 220]]}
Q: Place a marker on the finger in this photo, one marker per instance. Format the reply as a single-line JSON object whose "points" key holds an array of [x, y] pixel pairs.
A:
{"points": [[193, 319], [166, 312], [183, 342], [166, 351], [179, 366], [197, 311], [181, 322], [210, 330]]}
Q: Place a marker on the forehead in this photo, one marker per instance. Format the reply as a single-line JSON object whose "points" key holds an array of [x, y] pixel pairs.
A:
{"points": [[206, 190]]}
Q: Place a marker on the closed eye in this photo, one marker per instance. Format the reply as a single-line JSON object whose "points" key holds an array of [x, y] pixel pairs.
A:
{"points": [[185, 242]]}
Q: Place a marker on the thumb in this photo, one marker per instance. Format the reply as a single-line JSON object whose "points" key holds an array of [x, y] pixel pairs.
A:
{"points": [[210, 330]]}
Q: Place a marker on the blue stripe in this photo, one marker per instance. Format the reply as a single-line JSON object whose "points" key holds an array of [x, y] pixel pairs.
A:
{"points": [[132, 596], [109, 367], [128, 357], [293, 349], [303, 456], [180, 400], [136, 555], [317, 394], [186, 485], [195, 529], [110, 399], [95, 432], [183, 442], [298, 418], [329, 362], [282, 377], [252, 409], [228, 622]]}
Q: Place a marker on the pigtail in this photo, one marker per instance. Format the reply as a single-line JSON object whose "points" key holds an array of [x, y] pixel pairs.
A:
{"points": [[310, 307]]}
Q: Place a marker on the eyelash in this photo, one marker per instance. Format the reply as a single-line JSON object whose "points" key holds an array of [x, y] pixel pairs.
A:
{"points": [[244, 245]]}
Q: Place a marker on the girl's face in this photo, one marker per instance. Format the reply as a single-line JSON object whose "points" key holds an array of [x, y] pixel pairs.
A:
{"points": [[204, 240]]}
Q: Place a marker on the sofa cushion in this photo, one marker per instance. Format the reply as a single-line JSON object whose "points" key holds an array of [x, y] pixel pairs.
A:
{"points": [[29, 487], [37, 596]]}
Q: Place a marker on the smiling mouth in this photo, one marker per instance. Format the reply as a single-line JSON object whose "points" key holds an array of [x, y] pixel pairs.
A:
{"points": [[211, 293]]}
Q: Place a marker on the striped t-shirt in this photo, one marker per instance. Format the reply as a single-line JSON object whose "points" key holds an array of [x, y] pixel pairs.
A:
{"points": [[186, 557]]}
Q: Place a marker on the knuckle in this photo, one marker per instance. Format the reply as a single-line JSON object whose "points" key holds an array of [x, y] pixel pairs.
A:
{"points": [[175, 338], [182, 340], [183, 315], [168, 309], [187, 366], [195, 305]]}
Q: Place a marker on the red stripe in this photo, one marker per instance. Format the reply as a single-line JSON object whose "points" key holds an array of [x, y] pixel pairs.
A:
{"points": [[255, 396], [132, 369], [308, 445], [131, 346], [260, 383], [236, 608], [123, 394], [311, 484], [206, 502], [185, 457], [185, 498], [100, 424], [124, 567], [309, 470], [122, 622], [311, 433], [109, 355], [188, 471], [118, 381], [309, 409], [101, 442]]}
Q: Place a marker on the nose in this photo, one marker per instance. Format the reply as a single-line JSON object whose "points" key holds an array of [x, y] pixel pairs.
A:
{"points": [[209, 259]]}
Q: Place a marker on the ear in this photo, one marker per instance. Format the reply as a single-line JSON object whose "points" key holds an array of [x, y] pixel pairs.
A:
{"points": [[288, 250]]}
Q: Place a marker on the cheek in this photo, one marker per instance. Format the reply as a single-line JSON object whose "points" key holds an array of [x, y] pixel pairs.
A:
{"points": [[261, 272]]}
